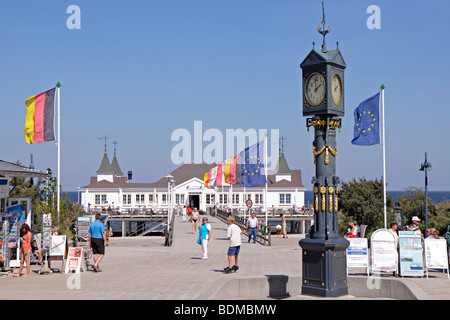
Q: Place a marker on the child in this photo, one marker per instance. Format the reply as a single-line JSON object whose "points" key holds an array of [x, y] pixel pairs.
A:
{"points": [[204, 236], [234, 234]]}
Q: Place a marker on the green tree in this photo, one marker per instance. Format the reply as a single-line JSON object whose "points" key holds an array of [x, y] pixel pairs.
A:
{"points": [[362, 201], [442, 218], [413, 204]]}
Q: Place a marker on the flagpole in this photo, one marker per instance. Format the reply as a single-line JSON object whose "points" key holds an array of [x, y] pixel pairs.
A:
{"points": [[384, 154], [265, 169], [58, 88]]}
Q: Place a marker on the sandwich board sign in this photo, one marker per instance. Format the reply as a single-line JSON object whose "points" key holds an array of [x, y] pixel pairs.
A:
{"points": [[75, 260], [383, 251]]}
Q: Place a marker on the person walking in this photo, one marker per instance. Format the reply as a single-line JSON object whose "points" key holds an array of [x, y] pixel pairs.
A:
{"points": [[234, 236], [25, 250], [283, 225], [98, 241], [204, 235], [195, 217], [252, 225]]}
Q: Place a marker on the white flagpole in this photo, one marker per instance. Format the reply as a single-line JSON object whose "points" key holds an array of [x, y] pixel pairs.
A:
{"points": [[384, 154], [58, 185], [265, 169]]}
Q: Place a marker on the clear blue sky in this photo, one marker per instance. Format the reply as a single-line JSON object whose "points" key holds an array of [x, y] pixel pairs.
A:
{"points": [[137, 70]]}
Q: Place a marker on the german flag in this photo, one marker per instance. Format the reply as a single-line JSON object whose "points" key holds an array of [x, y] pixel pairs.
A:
{"points": [[39, 120]]}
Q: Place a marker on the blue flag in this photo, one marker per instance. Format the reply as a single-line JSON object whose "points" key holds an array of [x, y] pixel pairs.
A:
{"points": [[367, 129], [252, 165]]}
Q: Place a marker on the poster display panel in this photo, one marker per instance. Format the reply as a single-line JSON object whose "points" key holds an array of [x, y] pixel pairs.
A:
{"points": [[411, 253], [383, 251], [357, 253], [436, 254]]}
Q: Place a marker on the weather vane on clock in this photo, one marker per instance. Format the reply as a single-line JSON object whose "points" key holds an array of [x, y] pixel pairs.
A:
{"points": [[324, 31]]}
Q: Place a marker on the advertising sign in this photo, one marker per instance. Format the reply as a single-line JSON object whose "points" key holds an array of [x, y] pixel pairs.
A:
{"points": [[357, 253], [75, 261], [383, 251], [411, 253]]}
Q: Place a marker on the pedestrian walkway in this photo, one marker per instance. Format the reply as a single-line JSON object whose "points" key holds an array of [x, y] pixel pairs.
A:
{"points": [[143, 268]]}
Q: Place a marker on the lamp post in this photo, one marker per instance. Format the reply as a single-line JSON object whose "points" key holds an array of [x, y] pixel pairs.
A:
{"points": [[170, 185], [426, 166]]}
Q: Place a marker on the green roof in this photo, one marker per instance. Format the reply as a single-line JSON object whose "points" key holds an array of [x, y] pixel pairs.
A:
{"points": [[283, 167], [115, 168], [105, 166]]}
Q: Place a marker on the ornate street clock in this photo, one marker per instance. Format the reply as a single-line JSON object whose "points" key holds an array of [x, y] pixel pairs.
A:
{"points": [[324, 250]]}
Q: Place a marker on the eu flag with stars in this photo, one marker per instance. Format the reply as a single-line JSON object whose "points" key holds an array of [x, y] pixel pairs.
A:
{"points": [[253, 173], [367, 129]]}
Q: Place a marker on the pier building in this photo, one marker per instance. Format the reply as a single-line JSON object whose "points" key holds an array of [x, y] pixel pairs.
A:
{"points": [[110, 189]]}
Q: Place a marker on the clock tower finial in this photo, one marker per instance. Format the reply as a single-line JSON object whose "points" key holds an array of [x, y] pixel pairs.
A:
{"points": [[324, 31]]}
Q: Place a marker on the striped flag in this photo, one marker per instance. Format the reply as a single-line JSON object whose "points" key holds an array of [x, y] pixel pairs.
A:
{"points": [[39, 120], [229, 171], [210, 178]]}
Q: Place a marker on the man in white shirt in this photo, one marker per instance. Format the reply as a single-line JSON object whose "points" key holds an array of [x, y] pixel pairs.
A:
{"points": [[234, 234], [252, 225]]}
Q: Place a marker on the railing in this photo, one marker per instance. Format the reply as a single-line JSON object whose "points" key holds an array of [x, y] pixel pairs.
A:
{"points": [[263, 234], [170, 232], [142, 229]]}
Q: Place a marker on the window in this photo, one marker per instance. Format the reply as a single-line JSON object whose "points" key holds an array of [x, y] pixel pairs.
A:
{"points": [[258, 198], [164, 199], [223, 198], [126, 199], [150, 198], [235, 198], [285, 198], [179, 198], [100, 199], [210, 199], [140, 198]]}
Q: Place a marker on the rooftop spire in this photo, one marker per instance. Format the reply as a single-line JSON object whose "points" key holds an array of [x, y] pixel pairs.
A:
{"points": [[104, 138], [115, 145], [324, 31]]}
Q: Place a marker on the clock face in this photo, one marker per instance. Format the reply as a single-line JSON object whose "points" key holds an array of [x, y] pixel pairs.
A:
{"points": [[337, 91], [315, 89]]}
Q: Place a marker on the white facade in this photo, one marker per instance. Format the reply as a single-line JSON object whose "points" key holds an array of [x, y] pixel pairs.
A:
{"points": [[105, 191], [191, 192]]}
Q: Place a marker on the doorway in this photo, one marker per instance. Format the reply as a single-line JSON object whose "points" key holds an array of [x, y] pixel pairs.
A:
{"points": [[194, 201]]}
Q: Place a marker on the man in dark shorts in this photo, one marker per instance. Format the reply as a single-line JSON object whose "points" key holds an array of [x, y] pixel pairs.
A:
{"points": [[97, 240]]}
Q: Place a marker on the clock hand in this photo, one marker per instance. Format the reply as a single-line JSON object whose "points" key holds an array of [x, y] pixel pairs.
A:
{"points": [[315, 90]]}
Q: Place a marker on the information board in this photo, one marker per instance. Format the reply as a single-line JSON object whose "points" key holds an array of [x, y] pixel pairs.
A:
{"points": [[411, 253], [58, 246], [383, 251], [357, 253], [436, 254]]}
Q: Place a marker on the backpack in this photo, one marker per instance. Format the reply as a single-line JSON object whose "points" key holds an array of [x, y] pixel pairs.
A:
{"points": [[447, 236]]}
